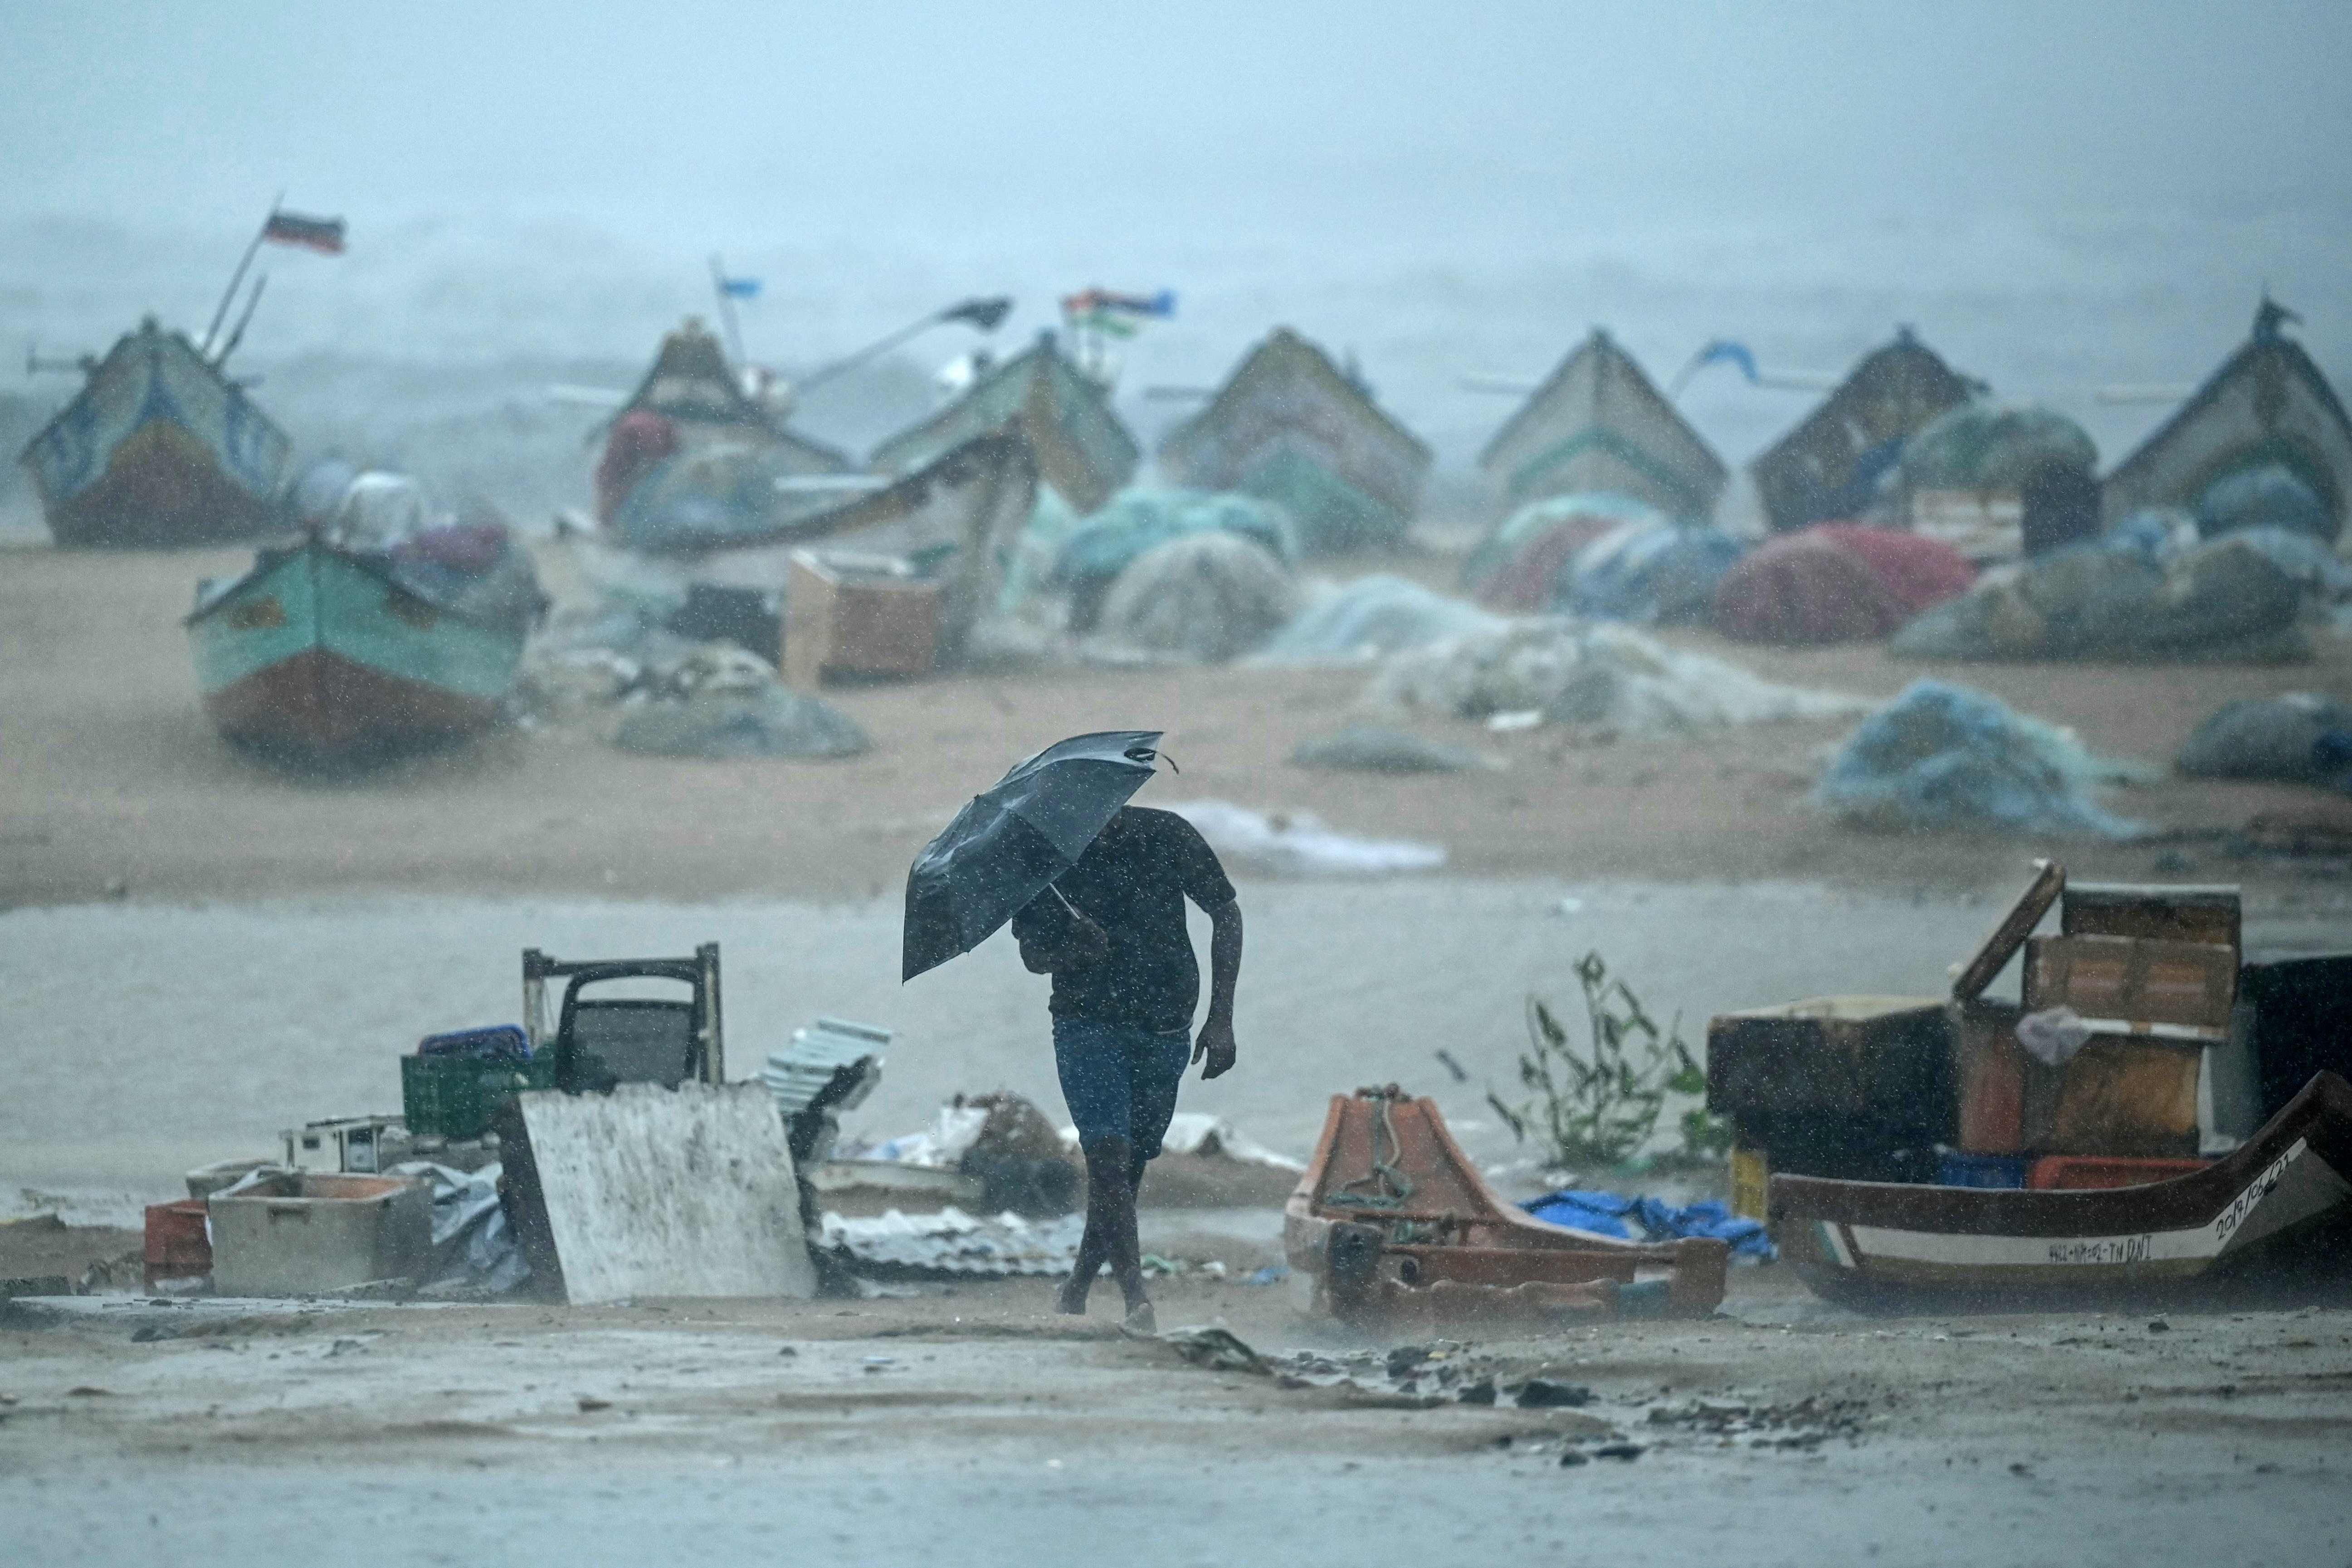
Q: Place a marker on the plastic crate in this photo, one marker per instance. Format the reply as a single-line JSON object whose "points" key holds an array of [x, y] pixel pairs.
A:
{"points": [[453, 1096], [1954, 1168], [2075, 1173]]}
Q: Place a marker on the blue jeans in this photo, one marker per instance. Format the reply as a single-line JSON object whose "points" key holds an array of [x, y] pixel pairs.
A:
{"points": [[1119, 1082]]}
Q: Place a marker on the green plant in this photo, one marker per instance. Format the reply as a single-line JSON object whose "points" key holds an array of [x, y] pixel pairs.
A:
{"points": [[1599, 1107]]}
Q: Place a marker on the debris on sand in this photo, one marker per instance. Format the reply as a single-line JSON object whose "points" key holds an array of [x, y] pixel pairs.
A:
{"points": [[951, 1242], [1802, 1425], [1948, 756], [1298, 843], [1218, 1350], [723, 703]]}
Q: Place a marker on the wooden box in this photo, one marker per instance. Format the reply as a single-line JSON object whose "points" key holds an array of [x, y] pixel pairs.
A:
{"points": [[858, 617], [2136, 985]]}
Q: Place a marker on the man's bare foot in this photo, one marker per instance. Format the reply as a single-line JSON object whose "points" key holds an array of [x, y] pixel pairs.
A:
{"points": [[1141, 1319], [1071, 1299]]}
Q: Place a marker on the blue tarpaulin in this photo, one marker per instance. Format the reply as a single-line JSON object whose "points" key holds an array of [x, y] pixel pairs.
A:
{"points": [[1615, 1214]]}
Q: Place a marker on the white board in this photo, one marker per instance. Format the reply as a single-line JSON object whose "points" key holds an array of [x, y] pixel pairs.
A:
{"points": [[659, 1192]]}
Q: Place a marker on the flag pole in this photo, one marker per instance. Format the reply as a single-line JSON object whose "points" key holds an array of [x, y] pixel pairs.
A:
{"points": [[229, 294], [252, 302], [727, 309]]}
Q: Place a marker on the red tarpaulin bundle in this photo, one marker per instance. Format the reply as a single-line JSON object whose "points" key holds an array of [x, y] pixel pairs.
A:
{"points": [[1803, 590], [1917, 570], [1837, 583], [639, 439], [1525, 583]]}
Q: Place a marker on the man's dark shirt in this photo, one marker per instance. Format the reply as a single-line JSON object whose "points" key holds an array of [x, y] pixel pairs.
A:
{"points": [[1133, 882]]}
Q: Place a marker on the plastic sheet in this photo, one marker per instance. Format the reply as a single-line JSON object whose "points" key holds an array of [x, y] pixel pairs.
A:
{"points": [[1653, 1220], [1943, 756], [1516, 566], [1994, 446], [1648, 573], [2271, 496], [1298, 843]]}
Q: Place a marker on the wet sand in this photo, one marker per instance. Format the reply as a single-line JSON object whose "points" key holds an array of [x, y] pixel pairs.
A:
{"points": [[971, 1428], [112, 780]]}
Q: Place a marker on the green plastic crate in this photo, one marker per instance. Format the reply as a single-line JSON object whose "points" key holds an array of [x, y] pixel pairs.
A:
{"points": [[453, 1096]]}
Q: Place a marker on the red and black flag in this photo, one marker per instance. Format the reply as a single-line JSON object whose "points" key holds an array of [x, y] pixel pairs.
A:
{"points": [[324, 235]]}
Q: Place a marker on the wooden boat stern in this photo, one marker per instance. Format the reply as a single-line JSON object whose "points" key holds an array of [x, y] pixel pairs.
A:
{"points": [[1418, 1242]]}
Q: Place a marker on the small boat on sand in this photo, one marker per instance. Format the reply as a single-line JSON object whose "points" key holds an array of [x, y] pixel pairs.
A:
{"points": [[1292, 427], [158, 450], [331, 650], [1597, 424], [1395, 1231], [2277, 1205], [1082, 449], [952, 521]]}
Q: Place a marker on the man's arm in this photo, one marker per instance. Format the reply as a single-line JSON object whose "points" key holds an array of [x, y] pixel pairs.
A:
{"points": [[1216, 1040]]}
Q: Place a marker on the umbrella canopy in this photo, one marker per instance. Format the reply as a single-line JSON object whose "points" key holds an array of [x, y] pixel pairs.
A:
{"points": [[1008, 844]]}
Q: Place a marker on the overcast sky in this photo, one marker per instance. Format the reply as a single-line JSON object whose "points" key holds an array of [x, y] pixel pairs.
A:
{"points": [[688, 108]]}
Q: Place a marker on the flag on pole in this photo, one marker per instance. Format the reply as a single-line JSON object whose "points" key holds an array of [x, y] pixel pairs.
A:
{"points": [[740, 288], [1097, 306], [324, 235], [986, 313], [1723, 351]]}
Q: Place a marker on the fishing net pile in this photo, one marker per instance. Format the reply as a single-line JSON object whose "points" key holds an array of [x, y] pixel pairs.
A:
{"points": [[1943, 756], [1594, 674]]}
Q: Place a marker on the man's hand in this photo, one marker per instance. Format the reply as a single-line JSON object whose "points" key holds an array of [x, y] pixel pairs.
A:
{"points": [[1215, 1043], [1083, 942], [1089, 943]]}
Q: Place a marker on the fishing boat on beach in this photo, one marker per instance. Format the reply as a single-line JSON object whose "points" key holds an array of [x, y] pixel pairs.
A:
{"points": [[1081, 448], [1292, 427], [2267, 406], [349, 643], [1827, 469], [949, 524], [2267, 1210], [159, 449], [1598, 424], [691, 403]]}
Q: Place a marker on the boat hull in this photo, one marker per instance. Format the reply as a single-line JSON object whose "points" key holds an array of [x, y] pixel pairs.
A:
{"points": [[1892, 1245], [1446, 1253], [316, 654], [157, 451]]}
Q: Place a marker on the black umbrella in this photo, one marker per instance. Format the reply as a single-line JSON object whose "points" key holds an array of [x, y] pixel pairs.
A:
{"points": [[1009, 845]]}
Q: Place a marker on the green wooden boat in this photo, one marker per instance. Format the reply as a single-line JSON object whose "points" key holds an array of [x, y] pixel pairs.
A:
{"points": [[330, 653]]}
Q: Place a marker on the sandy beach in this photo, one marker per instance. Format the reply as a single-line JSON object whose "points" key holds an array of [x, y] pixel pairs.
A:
{"points": [[198, 951], [111, 782]]}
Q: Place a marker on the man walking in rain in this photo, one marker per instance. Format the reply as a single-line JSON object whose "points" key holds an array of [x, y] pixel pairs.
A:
{"points": [[1110, 930]]}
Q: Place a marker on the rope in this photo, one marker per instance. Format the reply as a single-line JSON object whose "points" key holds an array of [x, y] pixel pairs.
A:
{"points": [[1395, 1186]]}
